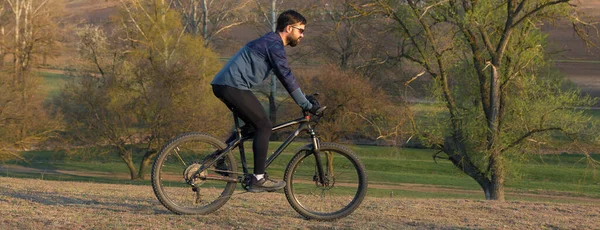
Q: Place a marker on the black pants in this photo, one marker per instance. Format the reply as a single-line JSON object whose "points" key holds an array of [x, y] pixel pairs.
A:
{"points": [[249, 109]]}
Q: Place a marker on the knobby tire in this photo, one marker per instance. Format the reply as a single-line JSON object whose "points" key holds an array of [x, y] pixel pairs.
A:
{"points": [[182, 155]]}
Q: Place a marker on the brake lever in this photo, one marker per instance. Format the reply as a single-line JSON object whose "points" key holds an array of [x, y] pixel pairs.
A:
{"points": [[319, 111]]}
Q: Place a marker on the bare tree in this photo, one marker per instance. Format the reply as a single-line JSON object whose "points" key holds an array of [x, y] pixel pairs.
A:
{"points": [[23, 11], [3, 20], [26, 26], [34, 28], [343, 38], [210, 18]]}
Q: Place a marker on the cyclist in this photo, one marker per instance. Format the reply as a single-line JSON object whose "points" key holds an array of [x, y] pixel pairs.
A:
{"points": [[249, 67]]}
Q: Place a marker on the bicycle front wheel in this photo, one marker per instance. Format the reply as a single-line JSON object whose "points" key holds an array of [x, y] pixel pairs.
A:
{"points": [[177, 183], [343, 191]]}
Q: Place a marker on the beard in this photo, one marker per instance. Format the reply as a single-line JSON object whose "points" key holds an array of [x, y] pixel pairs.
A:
{"points": [[293, 42]]}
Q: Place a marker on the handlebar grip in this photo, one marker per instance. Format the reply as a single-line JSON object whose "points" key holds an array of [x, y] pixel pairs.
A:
{"points": [[318, 113], [320, 110]]}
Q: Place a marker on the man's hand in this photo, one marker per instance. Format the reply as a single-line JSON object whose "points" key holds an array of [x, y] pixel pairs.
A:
{"points": [[312, 100], [315, 104], [315, 109]]}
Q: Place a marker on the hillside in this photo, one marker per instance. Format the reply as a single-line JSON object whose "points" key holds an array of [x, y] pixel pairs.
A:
{"points": [[39, 204], [92, 11], [579, 63]]}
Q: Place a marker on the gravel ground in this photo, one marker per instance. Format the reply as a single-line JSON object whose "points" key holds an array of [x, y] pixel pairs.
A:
{"points": [[39, 204]]}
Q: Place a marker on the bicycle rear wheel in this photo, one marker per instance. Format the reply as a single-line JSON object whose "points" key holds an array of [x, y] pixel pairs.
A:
{"points": [[177, 185], [343, 192]]}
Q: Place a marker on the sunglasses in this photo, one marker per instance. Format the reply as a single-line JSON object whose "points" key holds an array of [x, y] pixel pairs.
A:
{"points": [[299, 29]]}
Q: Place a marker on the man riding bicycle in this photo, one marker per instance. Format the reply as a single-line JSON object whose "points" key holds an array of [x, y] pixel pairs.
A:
{"points": [[249, 67]]}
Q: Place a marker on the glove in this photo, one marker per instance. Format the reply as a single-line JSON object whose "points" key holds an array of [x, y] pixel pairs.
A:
{"points": [[312, 100], [315, 104], [315, 108]]}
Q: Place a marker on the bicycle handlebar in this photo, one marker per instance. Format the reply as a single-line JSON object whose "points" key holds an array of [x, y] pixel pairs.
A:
{"points": [[319, 112]]}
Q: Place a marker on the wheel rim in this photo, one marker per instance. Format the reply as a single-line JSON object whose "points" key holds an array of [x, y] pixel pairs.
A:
{"points": [[191, 195], [342, 188]]}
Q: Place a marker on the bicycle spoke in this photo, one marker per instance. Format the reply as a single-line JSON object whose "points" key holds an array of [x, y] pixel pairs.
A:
{"points": [[176, 168], [343, 189], [176, 150]]}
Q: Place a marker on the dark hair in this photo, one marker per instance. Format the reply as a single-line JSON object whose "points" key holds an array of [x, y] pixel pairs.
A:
{"points": [[289, 17]]}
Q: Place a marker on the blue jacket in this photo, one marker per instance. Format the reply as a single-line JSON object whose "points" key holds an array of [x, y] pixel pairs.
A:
{"points": [[252, 64]]}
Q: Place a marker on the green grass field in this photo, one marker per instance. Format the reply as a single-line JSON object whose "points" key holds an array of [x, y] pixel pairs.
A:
{"points": [[53, 83], [388, 169]]}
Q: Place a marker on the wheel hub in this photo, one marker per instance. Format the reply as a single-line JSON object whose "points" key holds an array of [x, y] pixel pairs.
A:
{"points": [[329, 182], [190, 174]]}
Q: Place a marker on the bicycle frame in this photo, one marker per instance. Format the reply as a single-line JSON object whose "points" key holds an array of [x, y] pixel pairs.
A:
{"points": [[303, 125]]}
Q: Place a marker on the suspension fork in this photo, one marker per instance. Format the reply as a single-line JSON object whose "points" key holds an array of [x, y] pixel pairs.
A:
{"points": [[317, 154]]}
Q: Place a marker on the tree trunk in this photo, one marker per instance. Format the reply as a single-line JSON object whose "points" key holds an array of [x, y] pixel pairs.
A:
{"points": [[272, 94], [494, 110], [2, 51], [145, 162], [494, 191], [471, 170], [2, 41], [205, 22], [132, 171], [17, 53], [193, 20], [126, 156], [273, 108], [497, 175], [495, 163], [493, 186]]}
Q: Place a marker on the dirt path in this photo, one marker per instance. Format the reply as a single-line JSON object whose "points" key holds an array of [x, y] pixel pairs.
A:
{"points": [[22, 169], [38, 204]]}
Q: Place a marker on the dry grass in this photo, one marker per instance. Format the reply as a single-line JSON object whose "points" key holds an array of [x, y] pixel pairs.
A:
{"points": [[37, 204]]}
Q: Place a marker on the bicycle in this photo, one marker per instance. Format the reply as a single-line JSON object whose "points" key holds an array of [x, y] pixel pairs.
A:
{"points": [[324, 181]]}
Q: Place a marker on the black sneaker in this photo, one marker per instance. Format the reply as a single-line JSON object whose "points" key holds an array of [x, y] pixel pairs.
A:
{"points": [[265, 185]]}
